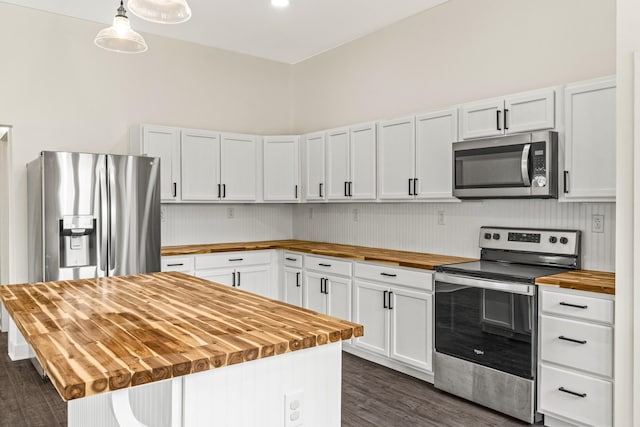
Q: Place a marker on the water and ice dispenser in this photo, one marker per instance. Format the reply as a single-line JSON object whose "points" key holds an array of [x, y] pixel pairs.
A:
{"points": [[77, 241]]}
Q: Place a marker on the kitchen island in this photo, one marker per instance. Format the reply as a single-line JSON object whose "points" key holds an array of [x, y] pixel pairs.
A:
{"points": [[190, 351]]}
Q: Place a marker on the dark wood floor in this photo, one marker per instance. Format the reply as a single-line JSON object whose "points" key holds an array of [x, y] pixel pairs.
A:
{"points": [[371, 396]]}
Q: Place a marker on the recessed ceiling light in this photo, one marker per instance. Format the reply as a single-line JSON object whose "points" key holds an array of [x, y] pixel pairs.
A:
{"points": [[279, 3]]}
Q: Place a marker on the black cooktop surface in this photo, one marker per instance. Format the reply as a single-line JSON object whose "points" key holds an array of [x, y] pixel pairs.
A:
{"points": [[498, 270]]}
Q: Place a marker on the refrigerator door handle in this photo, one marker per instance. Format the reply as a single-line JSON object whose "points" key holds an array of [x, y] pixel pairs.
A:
{"points": [[104, 223], [111, 185]]}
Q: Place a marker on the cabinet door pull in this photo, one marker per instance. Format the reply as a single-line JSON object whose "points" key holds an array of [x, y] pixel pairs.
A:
{"points": [[572, 340], [384, 299], [498, 120], [175, 265], [388, 274], [506, 127], [224, 191], [233, 277], [410, 192], [390, 306], [350, 188], [238, 285], [574, 393], [566, 182], [415, 186], [346, 191], [296, 192], [322, 285], [320, 192], [219, 191], [235, 259], [297, 280], [290, 259], [566, 304], [175, 190], [324, 265], [326, 287]]}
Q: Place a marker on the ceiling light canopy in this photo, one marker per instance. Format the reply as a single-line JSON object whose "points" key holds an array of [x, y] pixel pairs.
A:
{"points": [[120, 37], [161, 11], [279, 3]]}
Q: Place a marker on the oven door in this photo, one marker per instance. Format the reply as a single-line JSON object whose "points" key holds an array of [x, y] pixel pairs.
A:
{"points": [[486, 322]]}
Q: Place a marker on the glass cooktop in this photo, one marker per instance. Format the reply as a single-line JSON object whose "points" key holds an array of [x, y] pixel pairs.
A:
{"points": [[498, 270]]}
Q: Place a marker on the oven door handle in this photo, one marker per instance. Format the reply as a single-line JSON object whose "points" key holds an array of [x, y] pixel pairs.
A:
{"points": [[524, 165], [516, 288]]}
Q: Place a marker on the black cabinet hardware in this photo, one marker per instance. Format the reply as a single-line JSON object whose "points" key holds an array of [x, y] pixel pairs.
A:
{"points": [[219, 192], [390, 306], [175, 265], [298, 280], [326, 288], [506, 111], [350, 186], [290, 259], [572, 340], [320, 192], [566, 304], [296, 192], [384, 299], [224, 191], [235, 259], [323, 286], [498, 120], [238, 279], [233, 276], [410, 192], [324, 265], [574, 393], [388, 274], [346, 191], [175, 190], [415, 186], [566, 182]]}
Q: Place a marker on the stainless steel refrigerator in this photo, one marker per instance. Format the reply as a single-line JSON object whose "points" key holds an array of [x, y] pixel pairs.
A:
{"points": [[92, 215]]}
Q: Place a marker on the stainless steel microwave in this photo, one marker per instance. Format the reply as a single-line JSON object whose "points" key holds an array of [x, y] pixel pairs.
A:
{"points": [[516, 166]]}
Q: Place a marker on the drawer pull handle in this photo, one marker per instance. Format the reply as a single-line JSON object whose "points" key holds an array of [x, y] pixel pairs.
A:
{"points": [[290, 259], [324, 265], [388, 275], [574, 393], [572, 340], [566, 304], [175, 265], [236, 259]]}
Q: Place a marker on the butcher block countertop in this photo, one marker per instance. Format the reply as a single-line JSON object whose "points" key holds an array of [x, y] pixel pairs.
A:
{"points": [[584, 280], [98, 335], [360, 253]]}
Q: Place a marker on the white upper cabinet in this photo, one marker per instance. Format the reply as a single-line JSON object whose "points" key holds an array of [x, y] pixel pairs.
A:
{"points": [[281, 168], [590, 141], [238, 166], [351, 163], [315, 185], [396, 164], [200, 160], [435, 132], [162, 142], [523, 112]]}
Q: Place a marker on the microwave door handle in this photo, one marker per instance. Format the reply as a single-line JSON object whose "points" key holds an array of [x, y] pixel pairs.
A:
{"points": [[524, 165]]}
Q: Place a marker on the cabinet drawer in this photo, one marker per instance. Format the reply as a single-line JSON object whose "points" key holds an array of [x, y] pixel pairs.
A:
{"points": [[595, 355], [232, 259], [580, 306], [327, 265], [419, 279], [594, 409], [293, 259], [177, 263]]}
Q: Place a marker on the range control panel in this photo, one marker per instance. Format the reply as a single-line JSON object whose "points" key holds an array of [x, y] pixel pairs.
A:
{"points": [[562, 242]]}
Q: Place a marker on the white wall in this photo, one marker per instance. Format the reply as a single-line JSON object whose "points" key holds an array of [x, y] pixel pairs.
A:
{"points": [[414, 226], [459, 51], [61, 92]]}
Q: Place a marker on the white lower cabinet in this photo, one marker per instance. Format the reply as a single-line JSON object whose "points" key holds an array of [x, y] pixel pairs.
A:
{"points": [[575, 384], [328, 294], [293, 286], [183, 264], [395, 305]]}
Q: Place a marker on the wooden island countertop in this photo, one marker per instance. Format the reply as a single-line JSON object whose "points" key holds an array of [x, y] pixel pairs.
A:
{"points": [[359, 253], [98, 335]]}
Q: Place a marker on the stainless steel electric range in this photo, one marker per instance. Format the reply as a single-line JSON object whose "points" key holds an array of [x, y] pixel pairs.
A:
{"points": [[486, 316]]}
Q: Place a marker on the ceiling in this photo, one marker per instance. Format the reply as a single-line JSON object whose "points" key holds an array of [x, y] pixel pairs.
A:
{"points": [[290, 35]]}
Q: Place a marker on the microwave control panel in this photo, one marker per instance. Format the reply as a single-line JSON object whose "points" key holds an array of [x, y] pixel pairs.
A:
{"points": [[539, 164]]}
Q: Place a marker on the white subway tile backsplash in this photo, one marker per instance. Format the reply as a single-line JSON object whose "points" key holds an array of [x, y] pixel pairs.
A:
{"points": [[414, 226]]}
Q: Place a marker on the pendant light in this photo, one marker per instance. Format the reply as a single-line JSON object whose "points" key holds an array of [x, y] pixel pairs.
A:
{"points": [[120, 37], [279, 3], [161, 11]]}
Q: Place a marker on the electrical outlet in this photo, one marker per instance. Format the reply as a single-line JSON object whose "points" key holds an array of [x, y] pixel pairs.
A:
{"points": [[356, 215], [440, 217], [293, 409], [163, 214], [231, 213], [597, 223]]}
